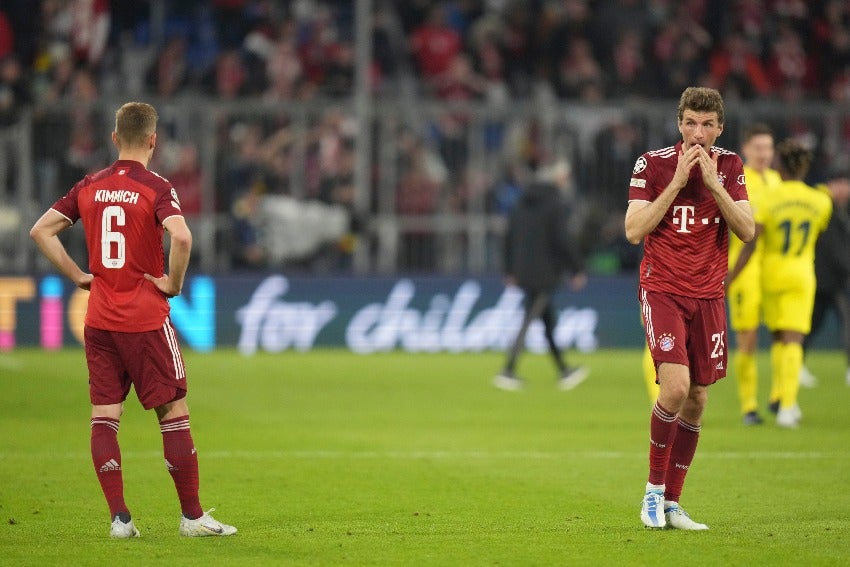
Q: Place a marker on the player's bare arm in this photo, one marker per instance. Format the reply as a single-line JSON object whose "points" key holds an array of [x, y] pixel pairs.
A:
{"points": [[45, 233], [743, 257], [738, 214], [643, 216], [171, 284]]}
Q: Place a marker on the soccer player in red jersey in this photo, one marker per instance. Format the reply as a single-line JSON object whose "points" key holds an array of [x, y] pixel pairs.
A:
{"points": [[683, 200], [125, 210]]}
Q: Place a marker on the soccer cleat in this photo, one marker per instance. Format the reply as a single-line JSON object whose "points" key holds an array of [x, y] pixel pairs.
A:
{"points": [[508, 382], [121, 530], [773, 407], [652, 510], [572, 377], [204, 526], [807, 379], [678, 519], [752, 418], [789, 418]]}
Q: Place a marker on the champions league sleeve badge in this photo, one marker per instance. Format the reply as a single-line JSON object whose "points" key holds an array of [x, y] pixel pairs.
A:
{"points": [[175, 202]]}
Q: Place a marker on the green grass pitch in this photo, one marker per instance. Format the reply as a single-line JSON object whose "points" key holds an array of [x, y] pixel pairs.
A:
{"points": [[330, 458]]}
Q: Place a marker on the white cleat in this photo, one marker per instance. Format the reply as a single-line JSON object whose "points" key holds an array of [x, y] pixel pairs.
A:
{"points": [[120, 530], [204, 526], [572, 377], [789, 418], [678, 519], [652, 509], [807, 379], [508, 382]]}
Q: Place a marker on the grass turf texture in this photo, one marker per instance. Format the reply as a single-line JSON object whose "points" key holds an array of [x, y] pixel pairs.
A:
{"points": [[330, 458]]}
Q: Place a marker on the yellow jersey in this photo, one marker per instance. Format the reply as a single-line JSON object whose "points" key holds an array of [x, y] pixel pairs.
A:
{"points": [[792, 216], [757, 185]]}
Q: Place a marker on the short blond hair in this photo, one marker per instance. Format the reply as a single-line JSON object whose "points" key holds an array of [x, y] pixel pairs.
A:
{"points": [[701, 99], [134, 123]]}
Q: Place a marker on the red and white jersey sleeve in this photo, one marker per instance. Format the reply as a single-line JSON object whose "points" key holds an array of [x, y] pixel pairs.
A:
{"points": [[122, 208], [687, 253]]}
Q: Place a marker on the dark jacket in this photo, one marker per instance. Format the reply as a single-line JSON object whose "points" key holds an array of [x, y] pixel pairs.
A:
{"points": [[832, 254], [537, 244]]}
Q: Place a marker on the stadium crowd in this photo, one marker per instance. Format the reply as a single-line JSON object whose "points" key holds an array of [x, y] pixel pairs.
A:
{"points": [[70, 54], [460, 49]]}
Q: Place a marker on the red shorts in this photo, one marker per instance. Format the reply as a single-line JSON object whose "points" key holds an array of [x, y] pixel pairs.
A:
{"points": [[151, 361], [688, 331]]}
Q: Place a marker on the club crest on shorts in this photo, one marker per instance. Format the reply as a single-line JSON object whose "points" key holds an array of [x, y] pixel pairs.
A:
{"points": [[666, 342]]}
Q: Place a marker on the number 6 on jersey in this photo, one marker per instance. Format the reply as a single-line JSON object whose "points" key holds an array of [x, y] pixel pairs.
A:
{"points": [[109, 237]]}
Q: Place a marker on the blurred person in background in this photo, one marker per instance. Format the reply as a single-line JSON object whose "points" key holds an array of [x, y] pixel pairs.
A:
{"points": [[183, 168], [832, 271], [90, 31], [85, 151], [7, 35], [793, 73], [168, 73], [227, 79], [15, 97], [578, 74], [744, 293], [538, 249], [736, 69], [418, 193], [789, 219], [435, 44]]}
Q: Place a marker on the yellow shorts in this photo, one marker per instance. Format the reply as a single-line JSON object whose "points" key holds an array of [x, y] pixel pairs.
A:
{"points": [[744, 305], [789, 310]]}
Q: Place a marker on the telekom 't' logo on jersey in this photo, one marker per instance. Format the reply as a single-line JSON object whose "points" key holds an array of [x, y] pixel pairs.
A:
{"points": [[683, 216]]}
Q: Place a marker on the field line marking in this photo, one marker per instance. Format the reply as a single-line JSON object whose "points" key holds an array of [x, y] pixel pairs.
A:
{"points": [[439, 455]]}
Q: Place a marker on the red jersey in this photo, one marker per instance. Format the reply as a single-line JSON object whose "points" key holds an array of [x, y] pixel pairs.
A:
{"points": [[122, 209], [435, 48], [687, 253]]}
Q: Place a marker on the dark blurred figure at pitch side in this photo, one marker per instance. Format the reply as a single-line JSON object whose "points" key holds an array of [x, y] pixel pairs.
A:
{"points": [[538, 249], [832, 271]]}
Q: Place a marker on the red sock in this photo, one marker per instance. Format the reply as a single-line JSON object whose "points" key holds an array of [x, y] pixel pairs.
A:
{"points": [[684, 447], [182, 463], [106, 457], [662, 431]]}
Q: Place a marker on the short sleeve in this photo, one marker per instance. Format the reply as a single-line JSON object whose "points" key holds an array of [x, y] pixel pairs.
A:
{"points": [[167, 205], [737, 183], [67, 205]]}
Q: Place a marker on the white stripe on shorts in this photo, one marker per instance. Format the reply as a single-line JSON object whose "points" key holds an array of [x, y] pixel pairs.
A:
{"points": [[179, 371], [647, 318]]}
